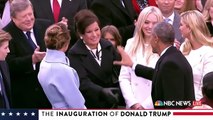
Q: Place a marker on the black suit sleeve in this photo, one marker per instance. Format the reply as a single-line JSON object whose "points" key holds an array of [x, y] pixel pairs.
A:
{"points": [[143, 71]]}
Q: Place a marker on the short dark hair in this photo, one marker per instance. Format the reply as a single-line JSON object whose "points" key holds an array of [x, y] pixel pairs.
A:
{"points": [[207, 88], [165, 32], [83, 19]]}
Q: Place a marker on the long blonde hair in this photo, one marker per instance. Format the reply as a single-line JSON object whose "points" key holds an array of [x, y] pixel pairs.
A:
{"points": [[208, 5], [199, 31], [139, 37]]}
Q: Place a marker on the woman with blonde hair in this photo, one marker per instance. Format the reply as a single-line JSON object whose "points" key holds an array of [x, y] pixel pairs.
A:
{"points": [[140, 50], [197, 47], [208, 15]]}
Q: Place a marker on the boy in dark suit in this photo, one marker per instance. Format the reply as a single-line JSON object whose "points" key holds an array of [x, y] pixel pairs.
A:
{"points": [[5, 99]]}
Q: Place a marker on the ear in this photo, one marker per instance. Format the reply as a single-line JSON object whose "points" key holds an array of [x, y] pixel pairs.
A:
{"points": [[156, 39]]}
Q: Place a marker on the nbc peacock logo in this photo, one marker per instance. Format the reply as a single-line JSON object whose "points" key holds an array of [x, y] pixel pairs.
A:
{"points": [[159, 103]]}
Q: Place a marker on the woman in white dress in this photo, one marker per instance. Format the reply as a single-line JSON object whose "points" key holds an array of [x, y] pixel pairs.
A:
{"points": [[198, 47], [137, 90]]}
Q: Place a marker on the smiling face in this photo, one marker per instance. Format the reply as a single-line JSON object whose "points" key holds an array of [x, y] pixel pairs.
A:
{"points": [[25, 19], [92, 35], [150, 21]]}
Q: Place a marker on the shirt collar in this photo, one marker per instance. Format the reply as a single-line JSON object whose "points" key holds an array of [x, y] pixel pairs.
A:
{"points": [[171, 17], [165, 50]]}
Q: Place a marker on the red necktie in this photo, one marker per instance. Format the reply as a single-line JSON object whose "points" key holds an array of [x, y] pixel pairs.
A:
{"points": [[56, 10]]}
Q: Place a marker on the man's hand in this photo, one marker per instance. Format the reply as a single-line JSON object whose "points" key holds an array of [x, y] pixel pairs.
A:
{"points": [[37, 55], [177, 44], [64, 21], [126, 60]]}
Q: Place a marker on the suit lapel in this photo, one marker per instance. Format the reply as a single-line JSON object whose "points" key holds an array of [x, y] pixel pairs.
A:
{"points": [[22, 38], [129, 8], [4, 73], [38, 35], [6, 78], [107, 57], [48, 9], [88, 61], [158, 64], [65, 5], [39, 31], [118, 4]]}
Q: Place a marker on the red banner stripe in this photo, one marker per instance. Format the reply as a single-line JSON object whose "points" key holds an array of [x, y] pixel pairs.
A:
{"points": [[192, 113]]}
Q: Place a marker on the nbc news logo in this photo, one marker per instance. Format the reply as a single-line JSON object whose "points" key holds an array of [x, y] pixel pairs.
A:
{"points": [[160, 103]]}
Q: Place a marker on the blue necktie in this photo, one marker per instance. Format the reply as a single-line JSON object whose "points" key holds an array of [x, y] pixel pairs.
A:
{"points": [[3, 92], [30, 41], [167, 20]]}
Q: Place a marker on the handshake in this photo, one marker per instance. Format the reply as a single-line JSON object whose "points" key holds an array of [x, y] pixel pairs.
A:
{"points": [[110, 95]]}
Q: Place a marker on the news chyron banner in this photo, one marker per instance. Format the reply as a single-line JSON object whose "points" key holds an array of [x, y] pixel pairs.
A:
{"points": [[125, 114], [115, 114]]}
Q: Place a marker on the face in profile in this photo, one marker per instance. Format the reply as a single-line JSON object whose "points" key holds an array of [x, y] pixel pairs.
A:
{"points": [[150, 21], [25, 19], [184, 29], [92, 35], [4, 50]]}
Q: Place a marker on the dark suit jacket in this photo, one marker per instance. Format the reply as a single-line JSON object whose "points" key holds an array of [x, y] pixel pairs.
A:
{"points": [[6, 79], [42, 9], [26, 90], [2, 5], [111, 12], [172, 78], [92, 76]]}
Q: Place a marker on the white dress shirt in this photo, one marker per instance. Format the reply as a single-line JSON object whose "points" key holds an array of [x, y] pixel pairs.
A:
{"points": [[34, 41], [171, 18]]}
